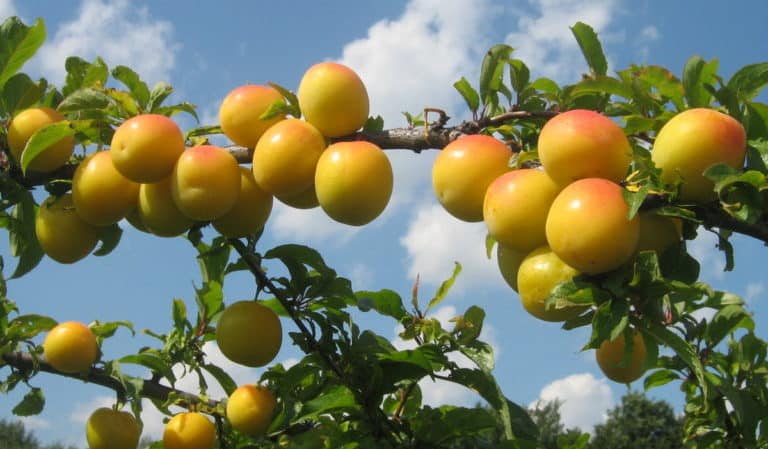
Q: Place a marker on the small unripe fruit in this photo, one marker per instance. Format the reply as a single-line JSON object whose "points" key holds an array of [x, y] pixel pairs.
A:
{"points": [[28, 122], [101, 195], [250, 409], [249, 213], [657, 232], [353, 182], [205, 182], [285, 158], [539, 273], [509, 261], [63, 235], [587, 226], [463, 171], [158, 212], [71, 347], [112, 429], [249, 333], [240, 111], [189, 430], [516, 206], [581, 144], [691, 142], [611, 358], [304, 200], [145, 147], [333, 98]]}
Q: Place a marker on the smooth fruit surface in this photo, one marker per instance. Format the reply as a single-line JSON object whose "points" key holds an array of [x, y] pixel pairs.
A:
{"points": [[249, 213], [516, 206], [101, 195], [463, 171], [304, 200], [693, 141], [250, 409], [353, 182], [539, 273], [285, 158], [145, 148], [249, 333], [205, 182], [28, 122], [189, 430], [509, 261], [240, 111], [333, 98], [588, 228], [158, 212], [71, 347], [657, 232], [581, 144], [63, 235], [112, 429], [611, 359]]}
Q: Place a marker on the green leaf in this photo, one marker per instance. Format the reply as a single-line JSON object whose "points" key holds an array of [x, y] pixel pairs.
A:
{"points": [[726, 321], [491, 71], [43, 139], [601, 85], [109, 237], [470, 95], [749, 80], [18, 43], [374, 124], [157, 96], [174, 109], [519, 75], [665, 82], [634, 200], [22, 239], [32, 403], [442, 291], [386, 302], [96, 74], [469, 326], [27, 326], [334, 398], [151, 361], [480, 353], [659, 378], [684, 350], [125, 102], [290, 97], [136, 86], [590, 48], [179, 313], [277, 108], [85, 99], [490, 242], [108, 329], [20, 92], [696, 74], [221, 376]]}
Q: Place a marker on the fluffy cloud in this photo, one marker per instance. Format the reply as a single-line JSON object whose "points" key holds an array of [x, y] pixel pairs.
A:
{"points": [[117, 31], [754, 291], [584, 399], [545, 42], [435, 239], [7, 9], [704, 249]]}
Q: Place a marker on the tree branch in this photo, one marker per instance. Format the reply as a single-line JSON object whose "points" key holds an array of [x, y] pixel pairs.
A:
{"points": [[24, 361]]}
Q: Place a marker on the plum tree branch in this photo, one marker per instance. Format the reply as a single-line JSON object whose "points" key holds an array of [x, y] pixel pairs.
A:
{"points": [[25, 362]]}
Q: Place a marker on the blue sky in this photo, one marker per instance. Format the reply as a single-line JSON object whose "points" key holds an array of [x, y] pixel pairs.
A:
{"points": [[408, 53]]}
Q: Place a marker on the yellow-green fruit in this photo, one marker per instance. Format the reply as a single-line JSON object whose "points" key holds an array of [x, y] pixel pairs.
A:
{"points": [[463, 171], [333, 98], [249, 333], [691, 142], [509, 261], [112, 429], [285, 158], [101, 195], [240, 111], [189, 430], [145, 148], [516, 206], [250, 212], [71, 347], [250, 409], [205, 182], [581, 144], [158, 212], [657, 232], [28, 122], [353, 182], [304, 200], [610, 358], [587, 226], [63, 235], [539, 273]]}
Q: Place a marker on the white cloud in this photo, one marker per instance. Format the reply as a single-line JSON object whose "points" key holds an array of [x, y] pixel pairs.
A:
{"points": [[307, 225], [585, 399], [545, 42], [34, 423], [755, 290], [435, 239], [704, 249], [120, 33], [7, 9], [650, 33], [361, 277]]}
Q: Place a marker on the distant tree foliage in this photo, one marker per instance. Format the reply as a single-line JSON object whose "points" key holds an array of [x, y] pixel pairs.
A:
{"points": [[552, 432], [13, 435], [639, 423]]}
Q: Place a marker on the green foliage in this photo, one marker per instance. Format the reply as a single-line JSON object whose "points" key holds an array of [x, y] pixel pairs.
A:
{"points": [[639, 422]]}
